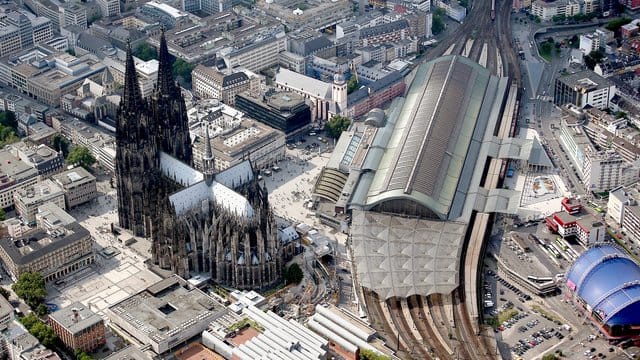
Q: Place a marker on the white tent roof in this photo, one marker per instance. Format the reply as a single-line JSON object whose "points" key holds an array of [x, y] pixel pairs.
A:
{"points": [[399, 257]]}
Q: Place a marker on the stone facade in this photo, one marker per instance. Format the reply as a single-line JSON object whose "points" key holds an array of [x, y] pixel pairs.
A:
{"points": [[199, 222]]}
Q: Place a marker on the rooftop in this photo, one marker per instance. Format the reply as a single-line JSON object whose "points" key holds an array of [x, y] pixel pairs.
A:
{"points": [[166, 309], [37, 243], [76, 318], [586, 79], [435, 137], [39, 193], [73, 177]]}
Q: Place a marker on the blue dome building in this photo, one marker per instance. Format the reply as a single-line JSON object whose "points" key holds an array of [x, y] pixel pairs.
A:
{"points": [[606, 281]]}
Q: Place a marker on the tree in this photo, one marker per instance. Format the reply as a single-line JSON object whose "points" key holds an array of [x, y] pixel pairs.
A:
{"points": [[437, 24], [593, 58], [183, 69], [615, 25], [81, 355], [549, 357], [29, 321], [4, 293], [31, 288], [60, 143], [293, 274], [42, 310], [3, 215], [44, 333], [81, 155], [352, 85], [8, 119], [336, 125], [145, 52]]}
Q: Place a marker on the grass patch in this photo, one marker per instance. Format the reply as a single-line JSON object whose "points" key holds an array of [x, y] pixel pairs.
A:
{"points": [[244, 322], [503, 316], [621, 244], [274, 289], [546, 314]]}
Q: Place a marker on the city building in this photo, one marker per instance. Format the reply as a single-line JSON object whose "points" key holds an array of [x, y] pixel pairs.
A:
{"points": [[9, 39], [50, 216], [631, 4], [623, 208], [384, 33], [166, 14], [546, 10], [599, 170], [282, 110], [259, 143], [72, 13], [54, 254], [15, 175], [318, 93], [316, 15], [78, 327], [101, 143], [209, 83], [6, 312], [267, 335], [374, 95], [586, 228], [162, 196], [603, 282], [18, 344], [165, 315], [411, 180], [79, 186], [583, 88], [27, 200], [109, 7], [453, 9], [147, 73], [41, 157], [131, 352], [258, 56]]}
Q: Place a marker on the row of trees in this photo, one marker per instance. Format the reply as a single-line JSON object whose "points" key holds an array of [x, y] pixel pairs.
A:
{"points": [[8, 128], [30, 287]]}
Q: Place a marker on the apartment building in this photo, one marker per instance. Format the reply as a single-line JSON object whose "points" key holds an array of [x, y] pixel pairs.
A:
{"points": [[623, 208], [598, 170], [147, 73], [546, 10]]}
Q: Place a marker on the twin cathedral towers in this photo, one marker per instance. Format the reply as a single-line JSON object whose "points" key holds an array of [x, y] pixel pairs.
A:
{"points": [[201, 223]]}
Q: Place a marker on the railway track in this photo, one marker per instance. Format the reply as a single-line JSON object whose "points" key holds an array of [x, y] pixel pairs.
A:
{"points": [[379, 320], [415, 347], [433, 335]]}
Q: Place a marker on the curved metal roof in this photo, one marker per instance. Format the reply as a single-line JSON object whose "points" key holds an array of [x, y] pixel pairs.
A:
{"points": [[437, 132], [608, 280]]}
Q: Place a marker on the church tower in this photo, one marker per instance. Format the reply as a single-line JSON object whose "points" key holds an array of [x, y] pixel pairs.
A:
{"points": [[107, 82], [170, 110], [208, 163], [136, 156], [339, 92]]}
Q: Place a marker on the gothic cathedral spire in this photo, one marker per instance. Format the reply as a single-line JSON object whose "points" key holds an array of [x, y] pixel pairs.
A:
{"points": [[165, 85], [131, 99]]}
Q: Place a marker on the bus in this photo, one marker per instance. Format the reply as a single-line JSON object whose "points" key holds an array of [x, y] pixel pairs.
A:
{"points": [[596, 207], [561, 244]]}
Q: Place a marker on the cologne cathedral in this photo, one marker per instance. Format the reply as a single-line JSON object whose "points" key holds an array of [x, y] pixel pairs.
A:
{"points": [[200, 222]]}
